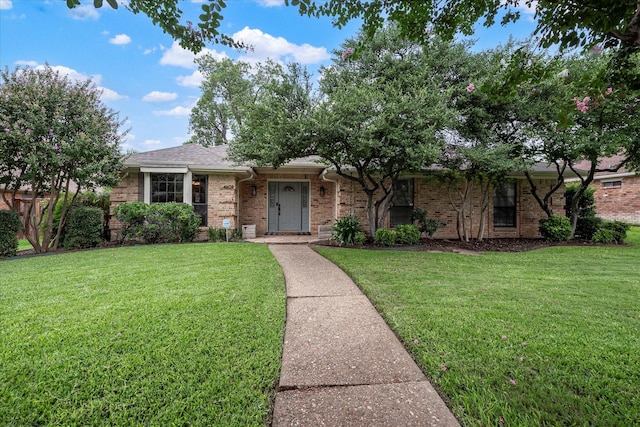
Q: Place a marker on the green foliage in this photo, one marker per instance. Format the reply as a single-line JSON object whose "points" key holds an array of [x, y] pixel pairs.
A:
{"points": [[611, 232], [429, 226], [586, 205], [360, 238], [217, 234], [346, 229], [407, 233], [555, 228], [586, 227], [55, 131], [9, 227], [97, 200], [131, 216], [160, 222], [385, 237], [83, 228]]}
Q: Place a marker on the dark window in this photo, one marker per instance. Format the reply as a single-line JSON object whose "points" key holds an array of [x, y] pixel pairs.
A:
{"points": [[402, 202], [167, 187], [199, 197], [610, 184], [504, 205]]}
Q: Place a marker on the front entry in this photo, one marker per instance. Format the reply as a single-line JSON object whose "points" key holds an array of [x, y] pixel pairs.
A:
{"points": [[288, 206]]}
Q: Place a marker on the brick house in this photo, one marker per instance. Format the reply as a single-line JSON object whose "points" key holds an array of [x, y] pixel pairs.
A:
{"points": [[304, 194], [617, 194]]}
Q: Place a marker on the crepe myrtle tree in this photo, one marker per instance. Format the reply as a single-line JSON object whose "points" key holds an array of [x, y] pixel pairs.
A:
{"points": [[56, 139]]}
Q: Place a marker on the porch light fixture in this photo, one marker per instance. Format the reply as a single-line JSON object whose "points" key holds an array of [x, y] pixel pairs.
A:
{"points": [[321, 191], [254, 190]]}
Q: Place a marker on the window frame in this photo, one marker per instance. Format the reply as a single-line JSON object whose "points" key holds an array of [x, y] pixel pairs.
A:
{"points": [[400, 211], [173, 188], [505, 205]]}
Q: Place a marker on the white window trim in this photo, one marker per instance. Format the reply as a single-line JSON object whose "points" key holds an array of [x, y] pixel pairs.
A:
{"points": [[187, 193]]}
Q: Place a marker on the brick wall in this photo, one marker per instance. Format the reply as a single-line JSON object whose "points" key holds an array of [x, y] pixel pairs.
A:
{"points": [[254, 209], [221, 198], [434, 198], [619, 203], [126, 191]]}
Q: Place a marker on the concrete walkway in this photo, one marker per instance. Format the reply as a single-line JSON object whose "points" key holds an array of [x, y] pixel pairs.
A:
{"points": [[341, 364]]}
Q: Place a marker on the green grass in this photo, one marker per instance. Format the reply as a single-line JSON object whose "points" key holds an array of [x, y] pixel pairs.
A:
{"points": [[24, 245], [570, 318], [148, 335]]}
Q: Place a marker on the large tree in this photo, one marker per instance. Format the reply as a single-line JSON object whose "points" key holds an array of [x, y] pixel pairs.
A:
{"points": [[56, 139], [567, 23], [381, 113]]}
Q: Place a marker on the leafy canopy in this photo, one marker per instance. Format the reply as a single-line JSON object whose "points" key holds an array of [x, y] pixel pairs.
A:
{"points": [[54, 132]]}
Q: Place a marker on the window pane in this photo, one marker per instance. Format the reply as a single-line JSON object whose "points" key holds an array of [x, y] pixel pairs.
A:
{"points": [[504, 205], [402, 202]]}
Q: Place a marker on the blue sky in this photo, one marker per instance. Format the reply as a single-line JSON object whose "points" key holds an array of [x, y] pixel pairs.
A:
{"points": [[146, 76]]}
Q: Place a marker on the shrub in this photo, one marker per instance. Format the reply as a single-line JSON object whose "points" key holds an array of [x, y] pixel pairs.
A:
{"points": [[131, 216], [345, 230], [84, 228], [9, 227], [555, 228], [159, 222], [586, 227], [97, 200], [360, 238], [235, 234], [217, 234], [429, 226], [385, 237], [407, 233], [611, 232], [586, 204]]}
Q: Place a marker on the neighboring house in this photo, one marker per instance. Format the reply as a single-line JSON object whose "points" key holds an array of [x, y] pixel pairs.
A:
{"points": [[617, 194], [303, 195], [24, 199]]}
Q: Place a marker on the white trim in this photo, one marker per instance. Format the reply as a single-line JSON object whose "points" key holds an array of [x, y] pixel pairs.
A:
{"points": [[187, 188], [159, 169], [147, 188]]}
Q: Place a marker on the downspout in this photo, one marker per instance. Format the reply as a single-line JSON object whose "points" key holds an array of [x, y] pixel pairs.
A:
{"points": [[252, 176], [335, 198]]}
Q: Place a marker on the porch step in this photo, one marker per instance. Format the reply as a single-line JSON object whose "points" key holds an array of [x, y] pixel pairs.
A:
{"points": [[287, 233]]}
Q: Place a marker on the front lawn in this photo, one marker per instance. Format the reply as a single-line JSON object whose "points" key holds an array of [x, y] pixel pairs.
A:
{"points": [[148, 335], [548, 337]]}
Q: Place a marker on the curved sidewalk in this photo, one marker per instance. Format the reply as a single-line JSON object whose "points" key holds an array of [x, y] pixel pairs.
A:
{"points": [[341, 364]]}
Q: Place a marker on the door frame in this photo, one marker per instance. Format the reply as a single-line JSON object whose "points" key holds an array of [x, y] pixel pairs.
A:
{"points": [[305, 228]]}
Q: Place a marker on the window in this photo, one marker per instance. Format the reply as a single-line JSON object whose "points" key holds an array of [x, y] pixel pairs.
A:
{"points": [[402, 202], [611, 184], [199, 197], [167, 187], [504, 205]]}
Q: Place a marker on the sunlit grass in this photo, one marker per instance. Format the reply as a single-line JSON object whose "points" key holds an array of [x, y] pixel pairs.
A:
{"points": [[148, 335], [562, 323]]}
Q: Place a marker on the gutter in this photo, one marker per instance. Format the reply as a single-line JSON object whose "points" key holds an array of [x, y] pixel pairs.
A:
{"points": [[335, 186]]}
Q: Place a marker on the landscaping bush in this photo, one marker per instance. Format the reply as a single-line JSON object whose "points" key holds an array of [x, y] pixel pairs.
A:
{"points": [[131, 216], [611, 232], [429, 226], [84, 228], [586, 227], [9, 227], [345, 230], [555, 228], [586, 204], [385, 237], [360, 238], [217, 234], [159, 222], [407, 233]]}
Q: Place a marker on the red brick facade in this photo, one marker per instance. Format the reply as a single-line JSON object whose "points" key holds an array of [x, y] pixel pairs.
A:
{"points": [[231, 196], [618, 198]]}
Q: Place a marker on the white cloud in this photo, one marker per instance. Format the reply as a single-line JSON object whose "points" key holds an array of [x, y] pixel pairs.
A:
{"points": [[177, 111], [193, 80], [120, 39], [181, 57], [266, 46], [5, 4], [157, 96], [522, 4], [26, 63], [271, 3], [85, 12], [110, 95]]}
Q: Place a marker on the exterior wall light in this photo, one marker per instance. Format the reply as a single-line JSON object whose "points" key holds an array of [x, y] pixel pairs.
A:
{"points": [[321, 191], [254, 190]]}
